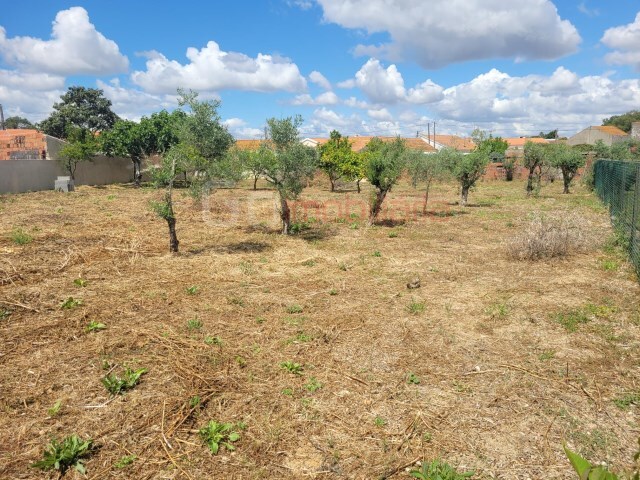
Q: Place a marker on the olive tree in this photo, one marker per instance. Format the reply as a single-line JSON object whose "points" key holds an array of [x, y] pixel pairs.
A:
{"points": [[335, 156], [424, 168], [465, 168], [288, 163], [534, 160], [385, 162], [81, 146], [567, 159]]}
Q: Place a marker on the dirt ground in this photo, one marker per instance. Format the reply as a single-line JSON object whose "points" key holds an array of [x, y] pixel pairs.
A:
{"points": [[490, 365]]}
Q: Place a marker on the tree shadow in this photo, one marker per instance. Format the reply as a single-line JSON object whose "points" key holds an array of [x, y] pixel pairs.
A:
{"points": [[390, 222], [237, 247], [444, 213]]}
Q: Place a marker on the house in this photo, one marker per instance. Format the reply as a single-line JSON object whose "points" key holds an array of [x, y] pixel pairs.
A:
{"points": [[358, 143], [464, 145], [28, 144], [516, 145], [590, 135]]}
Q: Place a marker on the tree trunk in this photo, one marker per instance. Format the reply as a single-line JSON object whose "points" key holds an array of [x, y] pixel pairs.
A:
{"points": [[333, 183], [255, 182], [426, 198], [358, 184], [285, 215], [173, 238], [376, 206], [464, 195], [566, 179], [137, 175], [530, 183]]}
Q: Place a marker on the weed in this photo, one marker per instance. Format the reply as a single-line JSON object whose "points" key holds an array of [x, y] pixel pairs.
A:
{"points": [[354, 226], [427, 437], [377, 254], [287, 391], [585, 470], [236, 301], [247, 268], [309, 263], [627, 400], [4, 313], [260, 320], [64, 455], [301, 337], [20, 237], [413, 379], [393, 234], [416, 307], [313, 385], [125, 461], [80, 282], [438, 470], [292, 367], [116, 385], [215, 435], [241, 361], [195, 401], [379, 421], [192, 290], [571, 319], [609, 265], [498, 310], [70, 303], [546, 355], [94, 326], [209, 340], [194, 324], [55, 408], [343, 266], [294, 309], [299, 227], [333, 292]]}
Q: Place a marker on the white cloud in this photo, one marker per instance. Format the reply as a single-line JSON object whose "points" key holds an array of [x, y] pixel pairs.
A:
{"points": [[349, 83], [326, 98], [355, 103], [239, 129], [590, 12], [131, 103], [440, 32], [29, 95], [380, 114], [625, 40], [386, 86], [320, 80], [76, 47], [211, 69]]}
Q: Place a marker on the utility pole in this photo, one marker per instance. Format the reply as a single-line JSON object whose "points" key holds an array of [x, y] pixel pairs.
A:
{"points": [[434, 134], [1, 118], [417, 133], [429, 133]]}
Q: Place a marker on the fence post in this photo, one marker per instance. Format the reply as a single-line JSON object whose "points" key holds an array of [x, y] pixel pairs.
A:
{"points": [[634, 215]]}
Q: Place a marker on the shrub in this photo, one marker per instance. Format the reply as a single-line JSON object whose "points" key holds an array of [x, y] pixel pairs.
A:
{"points": [[66, 454], [548, 236], [20, 237], [438, 470]]}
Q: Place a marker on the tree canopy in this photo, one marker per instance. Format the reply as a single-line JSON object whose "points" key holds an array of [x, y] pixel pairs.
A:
{"points": [[17, 122], [336, 157], [385, 162], [80, 107], [624, 121]]}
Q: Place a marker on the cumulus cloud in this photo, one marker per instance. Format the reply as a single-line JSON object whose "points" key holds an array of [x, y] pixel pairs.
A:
{"points": [[534, 102], [212, 69], [386, 85], [132, 103], [440, 32], [625, 40], [29, 94], [240, 129], [75, 47], [326, 98], [380, 114], [320, 80]]}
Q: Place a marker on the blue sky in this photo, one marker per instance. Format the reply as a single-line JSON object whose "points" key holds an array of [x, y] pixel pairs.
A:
{"points": [[364, 67]]}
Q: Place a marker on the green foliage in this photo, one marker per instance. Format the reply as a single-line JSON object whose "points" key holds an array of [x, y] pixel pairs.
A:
{"points": [[20, 237], [535, 157], [438, 470], [117, 386], [80, 107], [467, 169], [195, 401], [94, 326], [550, 135], [292, 367], [253, 162], [585, 470], [337, 159], [55, 408], [413, 379], [627, 400], [493, 147], [70, 303], [80, 282], [313, 385], [385, 162], [125, 461], [425, 168], [17, 122], [192, 290], [416, 307], [63, 455], [82, 147], [379, 421], [216, 435], [624, 121], [295, 308], [567, 159], [194, 324]]}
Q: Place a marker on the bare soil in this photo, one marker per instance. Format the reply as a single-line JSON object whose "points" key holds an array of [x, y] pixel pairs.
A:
{"points": [[501, 374]]}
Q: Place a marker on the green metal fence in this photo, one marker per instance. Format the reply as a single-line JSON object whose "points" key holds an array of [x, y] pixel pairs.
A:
{"points": [[618, 185]]}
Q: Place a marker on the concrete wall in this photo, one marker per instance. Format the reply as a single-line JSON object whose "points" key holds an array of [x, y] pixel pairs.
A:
{"points": [[589, 136], [18, 176], [635, 130]]}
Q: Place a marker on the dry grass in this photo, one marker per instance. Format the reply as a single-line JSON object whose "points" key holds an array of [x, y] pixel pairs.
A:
{"points": [[501, 382], [552, 235]]}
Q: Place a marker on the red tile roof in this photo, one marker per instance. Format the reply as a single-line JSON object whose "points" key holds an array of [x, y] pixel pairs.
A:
{"points": [[611, 130]]}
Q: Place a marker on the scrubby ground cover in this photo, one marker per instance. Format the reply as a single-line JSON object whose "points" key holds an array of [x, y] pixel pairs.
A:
{"points": [[307, 356]]}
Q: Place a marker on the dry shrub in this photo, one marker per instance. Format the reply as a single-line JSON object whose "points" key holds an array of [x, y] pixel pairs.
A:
{"points": [[550, 235]]}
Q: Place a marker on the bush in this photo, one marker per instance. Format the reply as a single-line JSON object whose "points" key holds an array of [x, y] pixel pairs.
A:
{"points": [[548, 236]]}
